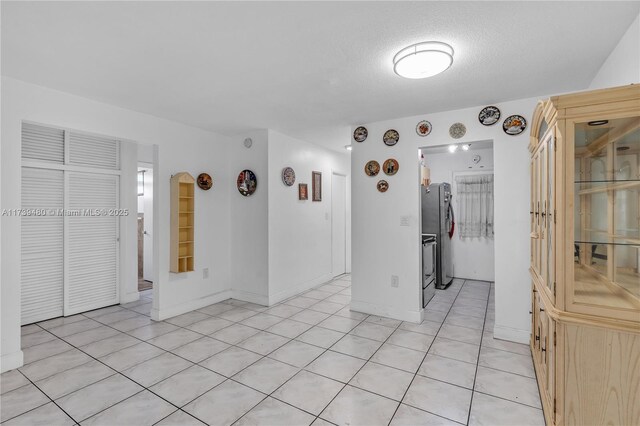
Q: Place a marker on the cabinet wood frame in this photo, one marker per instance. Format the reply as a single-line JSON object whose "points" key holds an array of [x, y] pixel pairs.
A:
{"points": [[586, 357]]}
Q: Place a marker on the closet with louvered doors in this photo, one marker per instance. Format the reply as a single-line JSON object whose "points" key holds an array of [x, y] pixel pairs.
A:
{"points": [[69, 222]]}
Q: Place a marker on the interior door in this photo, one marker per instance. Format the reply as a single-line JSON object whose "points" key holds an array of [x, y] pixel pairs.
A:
{"points": [[42, 245], [147, 264], [92, 259], [338, 224]]}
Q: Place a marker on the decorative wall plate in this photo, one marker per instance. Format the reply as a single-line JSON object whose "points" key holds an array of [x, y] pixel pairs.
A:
{"points": [[382, 185], [489, 115], [360, 134], [390, 167], [423, 128], [288, 176], [514, 125], [391, 137], [457, 130], [247, 182], [247, 142], [204, 181], [372, 168]]}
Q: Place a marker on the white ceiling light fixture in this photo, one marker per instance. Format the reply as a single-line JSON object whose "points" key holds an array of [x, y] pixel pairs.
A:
{"points": [[453, 148], [466, 147], [422, 60], [348, 147]]}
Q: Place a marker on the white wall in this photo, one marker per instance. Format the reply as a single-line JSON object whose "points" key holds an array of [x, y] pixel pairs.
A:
{"points": [[473, 258], [623, 64], [180, 148], [300, 231], [249, 225], [381, 247]]}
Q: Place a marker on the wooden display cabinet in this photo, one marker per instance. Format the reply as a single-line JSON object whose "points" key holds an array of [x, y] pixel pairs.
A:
{"points": [[182, 222], [585, 256]]}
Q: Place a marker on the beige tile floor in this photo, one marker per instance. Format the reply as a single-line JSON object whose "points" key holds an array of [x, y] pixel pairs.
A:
{"points": [[308, 360]]}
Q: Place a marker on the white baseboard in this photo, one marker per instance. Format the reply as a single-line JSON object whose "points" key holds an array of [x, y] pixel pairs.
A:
{"points": [[386, 311], [511, 334], [299, 288], [11, 361], [192, 305], [247, 296], [130, 297]]}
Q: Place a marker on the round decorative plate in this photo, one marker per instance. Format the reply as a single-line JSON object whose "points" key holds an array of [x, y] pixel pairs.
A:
{"points": [[391, 137], [360, 134], [489, 115], [423, 128], [204, 181], [390, 167], [382, 185], [457, 130], [247, 182], [514, 125], [372, 168], [288, 176]]}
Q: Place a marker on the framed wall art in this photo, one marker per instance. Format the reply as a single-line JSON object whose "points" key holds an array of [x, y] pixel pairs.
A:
{"points": [[303, 193], [316, 186]]}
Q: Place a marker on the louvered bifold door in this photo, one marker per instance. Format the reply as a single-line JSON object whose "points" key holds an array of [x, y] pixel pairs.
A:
{"points": [[42, 244], [92, 239]]}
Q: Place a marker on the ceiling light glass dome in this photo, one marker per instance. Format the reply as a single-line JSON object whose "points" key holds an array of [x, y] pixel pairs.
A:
{"points": [[422, 60]]}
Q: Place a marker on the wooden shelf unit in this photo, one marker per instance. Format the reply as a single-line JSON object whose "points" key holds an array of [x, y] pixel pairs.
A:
{"points": [[182, 222], [585, 299]]}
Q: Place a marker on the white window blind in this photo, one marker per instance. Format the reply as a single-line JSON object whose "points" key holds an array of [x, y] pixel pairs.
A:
{"points": [[42, 246], [475, 205]]}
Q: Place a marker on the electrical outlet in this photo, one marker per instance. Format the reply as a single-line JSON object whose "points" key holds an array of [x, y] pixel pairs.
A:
{"points": [[205, 273], [395, 281]]}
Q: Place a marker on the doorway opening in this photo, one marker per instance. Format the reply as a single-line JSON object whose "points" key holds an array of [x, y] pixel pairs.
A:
{"points": [[338, 224], [460, 234], [145, 227]]}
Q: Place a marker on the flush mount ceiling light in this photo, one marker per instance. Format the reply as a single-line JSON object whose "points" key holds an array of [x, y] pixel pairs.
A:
{"points": [[466, 147], [348, 147], [422, 60], [453, 148]]}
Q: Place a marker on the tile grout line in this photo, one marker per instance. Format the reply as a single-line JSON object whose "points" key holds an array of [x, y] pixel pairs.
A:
{"points": [[475, 376], [423, 358]]}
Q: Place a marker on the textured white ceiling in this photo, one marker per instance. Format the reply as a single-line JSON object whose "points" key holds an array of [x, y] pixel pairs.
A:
{"points": [[307, 69]]}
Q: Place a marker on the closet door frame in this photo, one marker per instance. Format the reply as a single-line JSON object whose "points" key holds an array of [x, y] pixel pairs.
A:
{"points": [[66, 168]]}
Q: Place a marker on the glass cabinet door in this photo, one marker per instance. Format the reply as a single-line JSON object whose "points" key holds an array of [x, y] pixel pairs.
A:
{"points": [[606, 197]]}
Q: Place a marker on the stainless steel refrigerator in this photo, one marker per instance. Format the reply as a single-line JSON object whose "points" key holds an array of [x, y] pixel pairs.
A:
{"points": [[437, 219]]}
